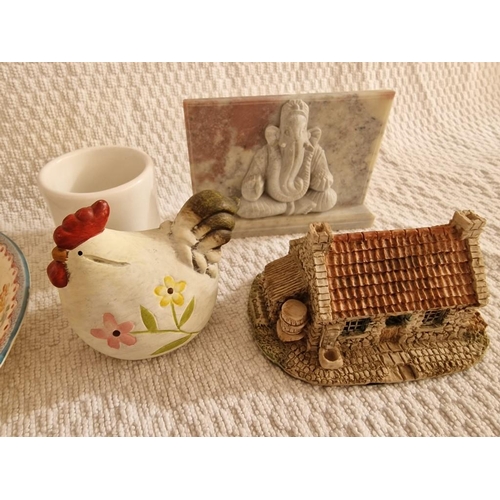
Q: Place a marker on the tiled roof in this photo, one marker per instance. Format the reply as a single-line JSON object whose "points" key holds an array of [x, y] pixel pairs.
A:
{"points": [[393, 272]]}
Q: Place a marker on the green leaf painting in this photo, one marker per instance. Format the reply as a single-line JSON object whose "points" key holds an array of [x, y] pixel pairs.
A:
{"points": [[187, 313], [149, 320], [170, 294], [171, 345]]}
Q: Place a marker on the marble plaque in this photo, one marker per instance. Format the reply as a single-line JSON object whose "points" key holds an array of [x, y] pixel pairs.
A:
{"points": [[291, 159]]}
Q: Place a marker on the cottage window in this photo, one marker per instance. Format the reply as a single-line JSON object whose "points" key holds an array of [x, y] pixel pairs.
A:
{"points": [[434, 318], [399, 320], [355, 326]]}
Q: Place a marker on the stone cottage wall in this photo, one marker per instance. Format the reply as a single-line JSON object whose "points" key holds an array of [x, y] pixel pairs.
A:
{"points": [[311, 252], [457, 324]]}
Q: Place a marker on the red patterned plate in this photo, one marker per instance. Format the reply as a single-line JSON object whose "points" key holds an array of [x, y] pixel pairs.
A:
{"points": [[14, 292]]}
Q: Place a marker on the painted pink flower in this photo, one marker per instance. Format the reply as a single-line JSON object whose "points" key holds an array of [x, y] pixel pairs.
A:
{"points": [[114, 333]]}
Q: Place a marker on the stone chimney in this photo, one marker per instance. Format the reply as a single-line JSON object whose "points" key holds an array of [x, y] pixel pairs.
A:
{"points": [[319, 236], [316, 245], [468, 224]]}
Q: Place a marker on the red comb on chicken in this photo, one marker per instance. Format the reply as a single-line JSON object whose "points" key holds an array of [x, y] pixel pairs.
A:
{"points": [[75, 229], [82, 225]]}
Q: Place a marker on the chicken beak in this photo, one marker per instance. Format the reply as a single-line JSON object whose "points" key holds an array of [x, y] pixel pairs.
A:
{"points": [[60, 254]]}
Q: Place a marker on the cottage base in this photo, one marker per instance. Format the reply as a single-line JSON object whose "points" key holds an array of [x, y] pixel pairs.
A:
{"points": [[387, 362]]}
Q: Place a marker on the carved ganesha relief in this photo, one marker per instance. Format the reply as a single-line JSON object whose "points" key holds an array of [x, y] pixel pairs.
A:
{"points": [[290, 174]]}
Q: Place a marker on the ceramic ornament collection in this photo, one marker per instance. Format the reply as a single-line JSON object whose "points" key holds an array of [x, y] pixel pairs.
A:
{"points": [[340, 309]]}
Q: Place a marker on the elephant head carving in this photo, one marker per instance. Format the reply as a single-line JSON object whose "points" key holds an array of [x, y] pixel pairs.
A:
{"points": [[290, 153], [290, 175]]}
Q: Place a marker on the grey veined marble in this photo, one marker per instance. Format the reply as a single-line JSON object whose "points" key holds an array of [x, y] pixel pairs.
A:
{"points": [[292, 159]]}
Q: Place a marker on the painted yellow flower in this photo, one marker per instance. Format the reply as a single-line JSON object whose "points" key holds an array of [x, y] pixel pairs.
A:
{"points": [[171, 292]]}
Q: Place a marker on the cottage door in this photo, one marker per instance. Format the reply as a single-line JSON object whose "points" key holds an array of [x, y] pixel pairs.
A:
{"points": [[390, 334], [394, 326]]}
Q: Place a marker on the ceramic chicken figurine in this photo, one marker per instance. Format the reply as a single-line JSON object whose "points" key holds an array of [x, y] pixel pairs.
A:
{"points": [[136, 295]]}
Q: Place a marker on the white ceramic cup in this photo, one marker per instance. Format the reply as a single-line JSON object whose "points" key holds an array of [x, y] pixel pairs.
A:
{"points": [[122, 176]]}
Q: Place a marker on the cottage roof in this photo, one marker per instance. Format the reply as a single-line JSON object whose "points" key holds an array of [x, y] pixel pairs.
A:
{"points": [[283, 278], [398, 271]]}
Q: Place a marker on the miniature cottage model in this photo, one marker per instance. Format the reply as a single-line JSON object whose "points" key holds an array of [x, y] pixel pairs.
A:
{"points": [[374, 307]]}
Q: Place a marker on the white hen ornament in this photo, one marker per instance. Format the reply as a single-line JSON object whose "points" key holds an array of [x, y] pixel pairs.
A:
{"points": [[137, 295]]}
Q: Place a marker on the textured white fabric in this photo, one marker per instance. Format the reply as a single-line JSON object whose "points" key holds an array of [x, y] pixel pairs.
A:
{"points": [[440, 153]]}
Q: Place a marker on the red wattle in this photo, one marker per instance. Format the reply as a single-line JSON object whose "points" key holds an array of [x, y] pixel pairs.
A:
{"points": [[58, 275]]}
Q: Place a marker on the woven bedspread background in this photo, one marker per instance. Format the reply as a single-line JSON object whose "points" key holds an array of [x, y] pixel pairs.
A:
{"points": [[441, 152]]}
